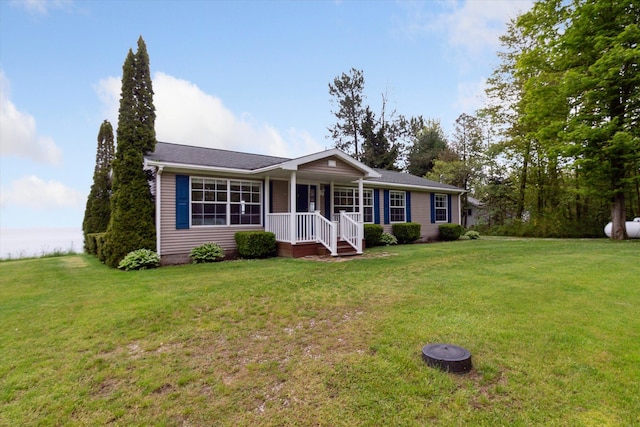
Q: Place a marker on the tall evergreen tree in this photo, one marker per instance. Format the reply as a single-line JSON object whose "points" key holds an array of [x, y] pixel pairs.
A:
{"points": [[426, 148], [377, 151], [132, 205], [98, 210], [347, 93]]}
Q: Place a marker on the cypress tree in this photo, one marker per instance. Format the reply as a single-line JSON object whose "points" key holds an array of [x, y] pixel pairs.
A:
{"points": [[132, 205], [98, 210]]}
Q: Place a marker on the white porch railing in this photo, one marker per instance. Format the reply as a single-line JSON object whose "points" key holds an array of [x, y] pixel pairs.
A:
{"points": [[278, 224], [351, 230], [310, 227]]}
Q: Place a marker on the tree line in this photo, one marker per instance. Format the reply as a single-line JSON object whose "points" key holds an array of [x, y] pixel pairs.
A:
{"points": [[555, 152]]}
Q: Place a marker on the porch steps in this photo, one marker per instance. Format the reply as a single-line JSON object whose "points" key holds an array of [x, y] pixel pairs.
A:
{"points": [[344, 249], [308, 249]]}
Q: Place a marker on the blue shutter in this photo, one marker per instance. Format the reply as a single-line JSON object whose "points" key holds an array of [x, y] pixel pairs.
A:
{"points": [[327, 201], [182, 201], [407, 205], [449, 207], [433, 208], [376, 206], [386, 206]]}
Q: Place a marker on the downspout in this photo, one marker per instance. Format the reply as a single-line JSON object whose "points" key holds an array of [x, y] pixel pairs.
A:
{"points": [[158, 207], [459, 209]]}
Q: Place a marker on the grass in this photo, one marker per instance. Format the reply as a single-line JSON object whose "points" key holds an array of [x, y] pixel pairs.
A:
{"points": [[553, 327]]}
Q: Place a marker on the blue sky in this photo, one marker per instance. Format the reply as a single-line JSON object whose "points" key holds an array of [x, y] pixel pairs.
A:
{"points": [[244, 75]]}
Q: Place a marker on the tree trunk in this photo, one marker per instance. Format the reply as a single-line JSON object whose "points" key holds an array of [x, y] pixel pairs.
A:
{"points": [[618, 219]]}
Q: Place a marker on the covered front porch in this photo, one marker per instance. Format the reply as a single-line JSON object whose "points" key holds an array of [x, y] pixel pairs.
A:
{"points": [[309, 233], [299, 204]]}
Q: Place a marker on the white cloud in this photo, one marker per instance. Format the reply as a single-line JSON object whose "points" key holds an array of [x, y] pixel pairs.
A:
{"points": [[185, 114], [41, 7], [470, 25], [33, 192], [19, 135]]}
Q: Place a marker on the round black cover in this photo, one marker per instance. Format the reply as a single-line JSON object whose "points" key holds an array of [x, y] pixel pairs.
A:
{"points": [[448, 357]]}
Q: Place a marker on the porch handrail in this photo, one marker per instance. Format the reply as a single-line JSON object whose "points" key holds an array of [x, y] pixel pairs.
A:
{"points": [[327, 233], [351, 231]]}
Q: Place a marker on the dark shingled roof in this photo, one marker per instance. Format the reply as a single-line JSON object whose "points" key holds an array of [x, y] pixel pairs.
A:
{"points": [[401, 178], [201, 156]]}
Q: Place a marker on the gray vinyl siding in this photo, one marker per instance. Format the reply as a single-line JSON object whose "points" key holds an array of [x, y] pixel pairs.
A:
{"points": [[421, 213], [342, 169], [280, 196], [178, 242]]}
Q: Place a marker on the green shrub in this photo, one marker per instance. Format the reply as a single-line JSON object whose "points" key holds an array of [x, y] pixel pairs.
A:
{"points": [[140, 259], [406, 232], [472, 234], [255, 244], [90, 245], [388, 239], [207, 252], [100, 246], [449, 232], [372, 234]]}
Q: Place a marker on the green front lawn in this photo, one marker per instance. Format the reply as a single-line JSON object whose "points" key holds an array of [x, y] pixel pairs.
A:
{"points": [[553, 327]]}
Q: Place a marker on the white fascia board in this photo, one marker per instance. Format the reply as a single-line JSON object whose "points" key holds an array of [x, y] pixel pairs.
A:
{"points": [[393, 185], [189, 166]]}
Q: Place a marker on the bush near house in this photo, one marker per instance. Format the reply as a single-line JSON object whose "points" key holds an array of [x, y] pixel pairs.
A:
{"points": [[140, 259], [255, 244], [388, 239], [406, 232], [449, 232], [372, 234], [207, 252]]}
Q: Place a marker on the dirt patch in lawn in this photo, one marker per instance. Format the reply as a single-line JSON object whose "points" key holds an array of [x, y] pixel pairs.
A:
{"points": [[329, 258]]}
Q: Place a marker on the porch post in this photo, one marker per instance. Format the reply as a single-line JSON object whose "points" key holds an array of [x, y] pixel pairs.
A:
{"points": [[267, 202], [332, 191], [292, 206]]}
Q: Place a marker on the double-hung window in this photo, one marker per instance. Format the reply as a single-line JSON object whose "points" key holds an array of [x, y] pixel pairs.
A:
{"points": [[348, 199], [397, 206], [225, 202], [441, 207]]}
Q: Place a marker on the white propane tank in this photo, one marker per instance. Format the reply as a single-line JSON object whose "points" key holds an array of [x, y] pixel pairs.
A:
{"points": [[633, 228]]}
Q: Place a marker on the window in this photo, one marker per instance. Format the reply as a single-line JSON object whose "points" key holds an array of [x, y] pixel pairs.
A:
{"points": [[397, 209], [347, 199], [224, 202], [441, 208]]}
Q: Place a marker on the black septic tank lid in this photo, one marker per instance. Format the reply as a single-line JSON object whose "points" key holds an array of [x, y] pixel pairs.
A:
{"points": [[448, 357]]}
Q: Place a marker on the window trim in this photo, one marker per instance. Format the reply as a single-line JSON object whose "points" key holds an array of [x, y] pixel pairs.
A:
{"points": [[356, 202], [445, 200], [228, 203], [403, 207]]}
